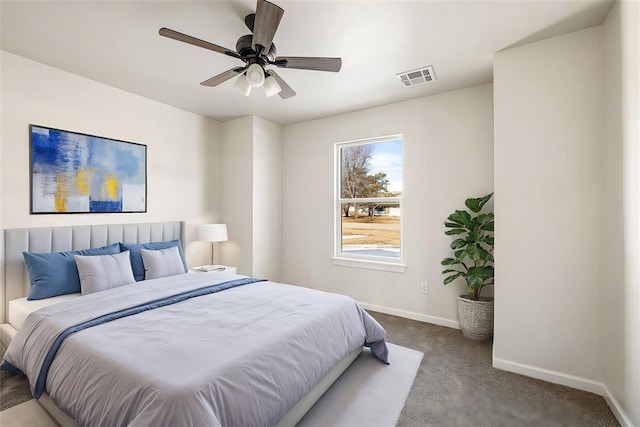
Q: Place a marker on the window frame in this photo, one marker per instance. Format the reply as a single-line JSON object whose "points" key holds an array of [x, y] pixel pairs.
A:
{"points": [[341, 258]]}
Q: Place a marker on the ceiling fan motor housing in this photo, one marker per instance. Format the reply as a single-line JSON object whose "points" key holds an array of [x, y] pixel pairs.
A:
{"points": [[243, 47]]}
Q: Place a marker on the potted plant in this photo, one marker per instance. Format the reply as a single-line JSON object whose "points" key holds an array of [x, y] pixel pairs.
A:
{"points": [[473, 261]]}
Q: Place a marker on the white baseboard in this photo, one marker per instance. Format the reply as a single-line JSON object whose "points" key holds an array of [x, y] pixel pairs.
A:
{"points": [[411, 315], [549, 376], [615, 407], [569, 381]]}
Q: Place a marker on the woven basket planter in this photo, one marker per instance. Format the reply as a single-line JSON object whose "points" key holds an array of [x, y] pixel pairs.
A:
{"points": [[476, 317]]}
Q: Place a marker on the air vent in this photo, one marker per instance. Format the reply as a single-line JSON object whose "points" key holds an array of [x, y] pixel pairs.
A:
{"points": [[417, 77]]}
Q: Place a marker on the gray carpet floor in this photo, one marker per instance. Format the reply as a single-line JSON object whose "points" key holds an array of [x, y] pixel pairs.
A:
{"points": [[14, 390], [455, 386]]}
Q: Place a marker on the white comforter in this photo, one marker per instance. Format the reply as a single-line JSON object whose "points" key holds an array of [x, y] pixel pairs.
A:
{"points": [[239, 357]]}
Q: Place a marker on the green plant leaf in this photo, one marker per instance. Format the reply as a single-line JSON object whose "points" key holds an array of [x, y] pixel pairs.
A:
{"points": [[461, 217], [483, 253], [455, 231], [473, 204], [477, 253], [484, 219], [453, 225], [474, 281], [450, 279], [479, 276], [476, 204], [473, 250], [474, 236], [458, 243]]}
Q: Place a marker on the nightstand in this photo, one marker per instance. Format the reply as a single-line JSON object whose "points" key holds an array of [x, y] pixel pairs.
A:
{"points": [[214, 269]]}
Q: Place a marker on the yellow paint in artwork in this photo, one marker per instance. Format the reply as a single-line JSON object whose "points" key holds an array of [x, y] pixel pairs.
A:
{"points": [[62, 191], [83, 180], [110, 187]]}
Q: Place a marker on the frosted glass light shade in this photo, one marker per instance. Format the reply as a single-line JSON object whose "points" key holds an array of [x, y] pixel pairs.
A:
{"points": [[255, 75], [242, 86], [213, 233], [271, 87]]}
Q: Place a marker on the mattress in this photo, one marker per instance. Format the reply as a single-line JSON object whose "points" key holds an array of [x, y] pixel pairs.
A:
{"points": [[20, 308]]}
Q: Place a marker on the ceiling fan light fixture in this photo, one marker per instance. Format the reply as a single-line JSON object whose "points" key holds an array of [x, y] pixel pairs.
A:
{"points": [[257, 51], [271, 87], [255, 75], [242, 86]]}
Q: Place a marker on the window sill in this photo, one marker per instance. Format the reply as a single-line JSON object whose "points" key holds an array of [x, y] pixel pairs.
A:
{"points": [[370, 265]]}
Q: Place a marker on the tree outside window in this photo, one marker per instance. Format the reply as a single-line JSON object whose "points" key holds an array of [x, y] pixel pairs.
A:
{"points": [[369, 199]]}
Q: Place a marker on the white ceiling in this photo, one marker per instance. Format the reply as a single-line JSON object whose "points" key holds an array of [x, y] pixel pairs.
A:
{"points": [[117, 43]]}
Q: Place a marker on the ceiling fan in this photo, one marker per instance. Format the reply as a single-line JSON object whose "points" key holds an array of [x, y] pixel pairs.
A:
{"points": [[258, 51]]}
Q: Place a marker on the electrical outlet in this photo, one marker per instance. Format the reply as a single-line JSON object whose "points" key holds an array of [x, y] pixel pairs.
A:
{"points": [[424, 287]]}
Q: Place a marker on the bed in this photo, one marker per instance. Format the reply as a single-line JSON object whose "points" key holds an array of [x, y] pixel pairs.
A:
{"points": [[234, 351]]}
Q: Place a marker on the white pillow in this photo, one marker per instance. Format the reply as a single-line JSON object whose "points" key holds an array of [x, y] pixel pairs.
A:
{"points": [[101, 272], [162, 262]]}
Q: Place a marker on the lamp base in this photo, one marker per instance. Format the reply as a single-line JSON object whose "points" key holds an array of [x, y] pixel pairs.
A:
{"points": [[212, 243]]}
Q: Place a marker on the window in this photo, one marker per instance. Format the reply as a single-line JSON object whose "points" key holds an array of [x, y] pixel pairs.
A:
{"points": [[369, 203]]}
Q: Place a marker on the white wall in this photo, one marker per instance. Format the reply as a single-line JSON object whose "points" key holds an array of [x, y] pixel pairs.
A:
{"points": [[620, 293], [251, 196], [448, 156], [182, 160], [2, 288], [548, 100], [237, 193], [267, 199]]}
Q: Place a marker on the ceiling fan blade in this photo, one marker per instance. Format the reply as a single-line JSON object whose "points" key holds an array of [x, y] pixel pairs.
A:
{"points": [[175, 35], [309, 63], [286, 91], [249, 20], [265, 24], [223, 77]]}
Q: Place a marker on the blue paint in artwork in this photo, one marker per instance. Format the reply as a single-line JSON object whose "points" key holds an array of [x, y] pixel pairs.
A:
{"points": [[57, 150], [46, 151], [56, 153], [124, 160], [60, 155], [128, 166], [105, 206]]}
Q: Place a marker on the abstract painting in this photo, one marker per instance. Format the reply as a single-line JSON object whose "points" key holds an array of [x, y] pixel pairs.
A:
{"points": [[77, 173]]}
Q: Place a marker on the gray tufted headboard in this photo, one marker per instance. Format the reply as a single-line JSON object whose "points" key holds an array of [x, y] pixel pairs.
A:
{"points": [[58, 239]]}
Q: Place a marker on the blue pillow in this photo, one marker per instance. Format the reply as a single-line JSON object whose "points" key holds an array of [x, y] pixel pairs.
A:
{"points": [[136, 259], [53, 274]]}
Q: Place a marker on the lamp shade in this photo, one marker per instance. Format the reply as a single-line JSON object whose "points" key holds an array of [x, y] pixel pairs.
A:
{"points": [[271, 87], [255, 75], [242, 85], [213, 233]]}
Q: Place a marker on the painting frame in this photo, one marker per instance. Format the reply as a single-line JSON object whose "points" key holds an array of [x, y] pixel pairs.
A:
{"points": [[77, 173]]}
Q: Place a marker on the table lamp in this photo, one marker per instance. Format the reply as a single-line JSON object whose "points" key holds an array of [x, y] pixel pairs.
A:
{"points": [[212, 233]]}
